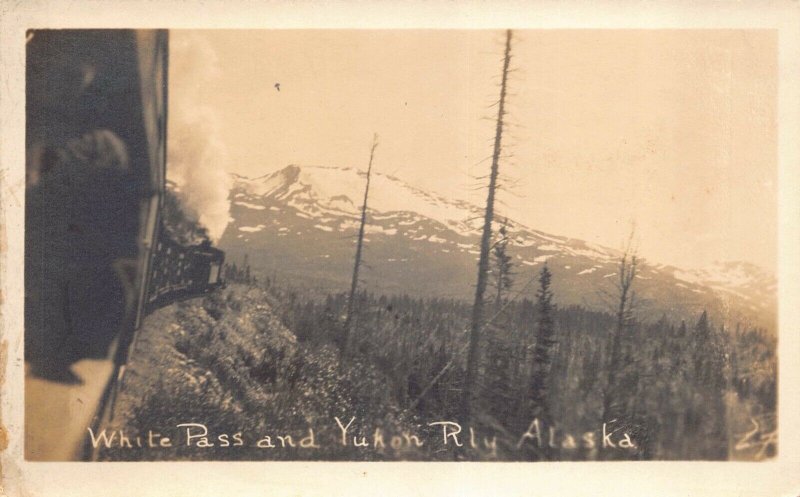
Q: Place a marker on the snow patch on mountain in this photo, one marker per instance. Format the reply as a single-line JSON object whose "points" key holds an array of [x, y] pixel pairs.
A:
{"points": [[325, 203], [251, 206], [340, 190], [742, 279]]}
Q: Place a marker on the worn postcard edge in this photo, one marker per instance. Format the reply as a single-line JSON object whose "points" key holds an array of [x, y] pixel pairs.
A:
{"points": [[776, 477]]}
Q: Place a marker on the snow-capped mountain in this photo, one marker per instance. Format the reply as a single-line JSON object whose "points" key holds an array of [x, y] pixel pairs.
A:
{"points": [[300, 223]]}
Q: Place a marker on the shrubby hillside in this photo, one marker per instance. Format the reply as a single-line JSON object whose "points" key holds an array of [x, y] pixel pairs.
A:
{"points": [[264, 360]]}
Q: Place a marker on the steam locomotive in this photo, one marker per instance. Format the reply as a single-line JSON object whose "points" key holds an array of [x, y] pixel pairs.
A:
{"points": [[98, 256]]}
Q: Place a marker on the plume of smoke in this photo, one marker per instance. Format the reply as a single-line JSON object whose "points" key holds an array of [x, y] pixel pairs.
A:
{"points": [[196, 158]]}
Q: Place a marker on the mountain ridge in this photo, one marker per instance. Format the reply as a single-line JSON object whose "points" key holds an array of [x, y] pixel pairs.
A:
{"points": [[306, 217]]}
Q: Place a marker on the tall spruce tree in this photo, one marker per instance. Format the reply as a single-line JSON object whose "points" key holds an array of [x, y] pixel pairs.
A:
{"points": [[503, 276], [543, 349], [502, 358], [707, 415]]}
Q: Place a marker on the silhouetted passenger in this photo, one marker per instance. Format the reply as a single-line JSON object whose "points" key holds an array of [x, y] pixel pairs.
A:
{"points": [[81, 229]]}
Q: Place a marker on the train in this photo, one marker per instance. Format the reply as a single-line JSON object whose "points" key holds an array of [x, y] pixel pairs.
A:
{"points": [[179, 271], [98, 256]]}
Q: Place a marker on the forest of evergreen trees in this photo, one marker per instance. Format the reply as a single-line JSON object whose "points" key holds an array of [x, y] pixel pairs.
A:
{"points": [[241, 273], [684, 390], [546, 378]]}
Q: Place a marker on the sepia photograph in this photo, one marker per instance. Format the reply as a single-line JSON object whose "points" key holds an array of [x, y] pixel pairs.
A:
{"points": [[400, 245], [430, 249]]}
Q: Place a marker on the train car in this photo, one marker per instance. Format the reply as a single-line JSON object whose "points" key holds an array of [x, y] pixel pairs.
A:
{"points": [[97, 258], [180, 272]]}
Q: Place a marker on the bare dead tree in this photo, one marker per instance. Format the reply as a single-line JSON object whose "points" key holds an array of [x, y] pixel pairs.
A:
{"points": [[449, 364], [486, 237], [626, 298], [348, 323]]}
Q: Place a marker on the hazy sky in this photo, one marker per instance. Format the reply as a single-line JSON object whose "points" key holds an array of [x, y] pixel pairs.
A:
{"points": [[675, 130]]}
